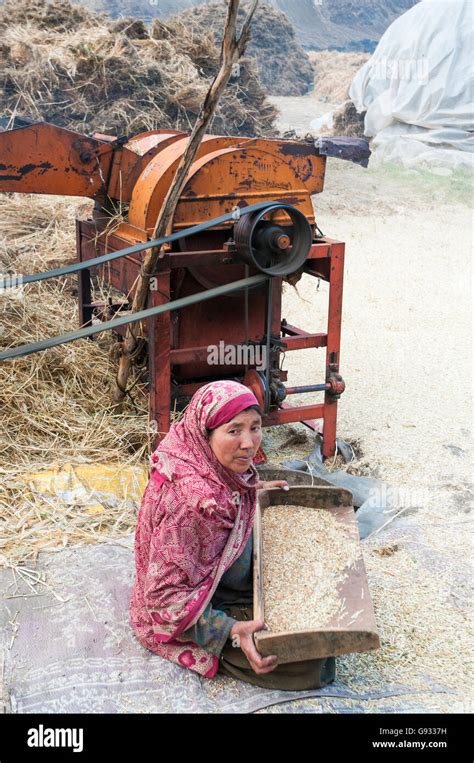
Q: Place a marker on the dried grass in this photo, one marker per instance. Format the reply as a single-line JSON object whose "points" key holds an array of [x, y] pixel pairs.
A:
{"points": [[81, 70], [348, 121], [425, 637], [334, 72], [281, 64], [59, 14], [58, 401], [55, 405]]}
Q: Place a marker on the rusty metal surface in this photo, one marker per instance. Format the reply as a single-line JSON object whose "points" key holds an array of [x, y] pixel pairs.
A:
{"points": [[225, 174], [42, 158], [223, 318], [130, 161], [152, 185], [292, 476], [351, 149], [228, 172], [248, 175]]}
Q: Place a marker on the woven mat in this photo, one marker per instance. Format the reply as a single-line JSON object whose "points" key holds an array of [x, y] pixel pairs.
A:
{"points": [[67, 647]]}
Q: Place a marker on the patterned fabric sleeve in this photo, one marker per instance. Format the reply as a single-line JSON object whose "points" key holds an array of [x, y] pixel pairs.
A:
{"points": [[213, 627], [212, 630]]}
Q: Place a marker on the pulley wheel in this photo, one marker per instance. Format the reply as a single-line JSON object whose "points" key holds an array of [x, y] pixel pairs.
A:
{"points": [[274, 248], [255, 380]]}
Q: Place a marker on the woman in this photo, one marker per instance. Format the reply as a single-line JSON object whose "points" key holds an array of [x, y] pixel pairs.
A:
{"points": [[192, 597]]}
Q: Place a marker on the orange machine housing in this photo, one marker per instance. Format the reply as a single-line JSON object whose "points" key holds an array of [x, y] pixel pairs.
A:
{"points": [[134, 175]]}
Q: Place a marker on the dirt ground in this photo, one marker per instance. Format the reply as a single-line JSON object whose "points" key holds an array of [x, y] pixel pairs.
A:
{"points": [[406, 338], [406, 357], [297, 112]]}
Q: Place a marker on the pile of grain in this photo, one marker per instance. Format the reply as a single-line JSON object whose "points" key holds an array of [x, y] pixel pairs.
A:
{"points": [[306, 555], [423, 618], [334, 72], [282, 65], [78, 69]]}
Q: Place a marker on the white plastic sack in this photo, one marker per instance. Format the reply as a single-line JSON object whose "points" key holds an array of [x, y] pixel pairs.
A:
{"points": [[417, 88]]}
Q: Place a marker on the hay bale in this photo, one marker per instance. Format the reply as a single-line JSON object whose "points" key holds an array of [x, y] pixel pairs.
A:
{"points": [[93, 73], [281, 64]]}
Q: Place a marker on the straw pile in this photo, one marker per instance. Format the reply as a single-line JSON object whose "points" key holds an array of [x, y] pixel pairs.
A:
{"points": [[424, 628], [79, 69], [334, 72], [348, 121], [55, 405], [306, 556], [283, 66], [292, 442], [58, 15]]}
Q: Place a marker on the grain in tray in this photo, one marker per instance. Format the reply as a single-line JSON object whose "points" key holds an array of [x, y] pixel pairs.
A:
{"points": [[307, 553]]}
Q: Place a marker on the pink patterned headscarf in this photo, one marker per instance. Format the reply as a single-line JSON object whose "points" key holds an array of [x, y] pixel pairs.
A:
{"points": [[194, 522]]}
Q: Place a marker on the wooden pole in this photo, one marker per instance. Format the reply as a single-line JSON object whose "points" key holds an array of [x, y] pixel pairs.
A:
{"points": [[232, 49]]}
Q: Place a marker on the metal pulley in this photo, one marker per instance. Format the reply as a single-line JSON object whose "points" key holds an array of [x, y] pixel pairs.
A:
{"points": [[274, 248], [256, 381]]}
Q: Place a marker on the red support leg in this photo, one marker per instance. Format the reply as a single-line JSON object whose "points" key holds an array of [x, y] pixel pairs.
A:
{"points": [[333, 345]]}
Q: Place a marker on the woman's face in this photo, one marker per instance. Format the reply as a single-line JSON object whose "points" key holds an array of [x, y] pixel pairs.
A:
{"points": [[235, 444]]}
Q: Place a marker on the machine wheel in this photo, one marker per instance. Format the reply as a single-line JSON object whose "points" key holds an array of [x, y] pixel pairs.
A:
{"points": [[255, 380]]}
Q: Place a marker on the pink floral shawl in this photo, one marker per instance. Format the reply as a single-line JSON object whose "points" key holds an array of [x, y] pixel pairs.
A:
{"points": [[194, 521]]}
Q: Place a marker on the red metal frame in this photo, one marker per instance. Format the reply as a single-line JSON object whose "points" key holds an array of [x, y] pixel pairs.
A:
{"points": [[325, 261]]}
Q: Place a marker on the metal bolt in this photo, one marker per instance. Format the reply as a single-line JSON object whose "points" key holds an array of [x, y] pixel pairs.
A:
{"points": [[283, 241]]}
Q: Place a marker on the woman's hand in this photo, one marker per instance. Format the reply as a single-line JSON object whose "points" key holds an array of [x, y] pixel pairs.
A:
{"points": [[272, 483], [244, 630]]}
